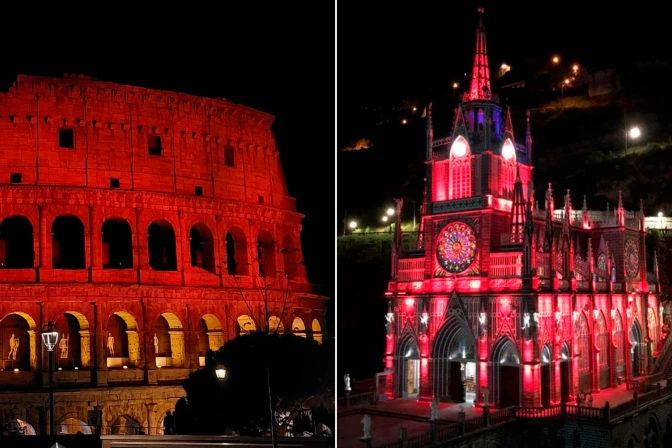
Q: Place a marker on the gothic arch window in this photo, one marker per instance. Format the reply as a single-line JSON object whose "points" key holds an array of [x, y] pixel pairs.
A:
{"points": [[651, 322], [582, 336], [618, 341], [459, 182], [602, 264], [602, 342], [507, 170]]}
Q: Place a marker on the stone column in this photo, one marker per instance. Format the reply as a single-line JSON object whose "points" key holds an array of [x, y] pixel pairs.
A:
{"points": [[152, 424], [177, 347], [133, 348], [85, 348]]}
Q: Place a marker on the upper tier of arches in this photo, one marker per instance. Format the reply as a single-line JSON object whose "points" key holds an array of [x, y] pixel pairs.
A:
{"points": [[69, 237], [84, 133]]}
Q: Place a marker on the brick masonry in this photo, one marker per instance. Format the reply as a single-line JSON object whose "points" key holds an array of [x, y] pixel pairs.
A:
{"points": [[218, 172]]}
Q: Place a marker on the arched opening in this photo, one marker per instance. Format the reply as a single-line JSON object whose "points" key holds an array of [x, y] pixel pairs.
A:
{"points": [[618, 340], [161, 424], [161, 245], [455, 363], [459, 181], [67, 243], [275, 325], [652, 327], [210, 336], [298, 327], [18, 342], [73, 425], [16, 243], [168, 341], [266, 254], [236, 252], [507, 373], [245, 325], [201, 247], [583, 340], [546, 383], [290, 257], [21, 427], [74, 343], [126, 425], [565, 378], [636, 355], [602, 355], [122, 342], [653, 433], [117, 244], [317, 331], [409, 367]]}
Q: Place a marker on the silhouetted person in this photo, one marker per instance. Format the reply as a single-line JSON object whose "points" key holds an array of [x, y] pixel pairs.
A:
{"points": [[168, 424]]}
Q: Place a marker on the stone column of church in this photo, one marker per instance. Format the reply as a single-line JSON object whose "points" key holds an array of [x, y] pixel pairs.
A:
{"points": [[531, 373], [425, 392]]}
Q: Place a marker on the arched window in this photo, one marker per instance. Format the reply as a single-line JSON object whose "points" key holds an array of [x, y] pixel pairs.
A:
{"points": [[117, 245], [459, 182], [16, 243], [236, 252], [67, 244], [161, 242], [266, 254], [201, 248]]}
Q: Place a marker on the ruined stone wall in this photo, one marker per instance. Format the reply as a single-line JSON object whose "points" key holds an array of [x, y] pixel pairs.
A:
{"points": [[78, 156]]}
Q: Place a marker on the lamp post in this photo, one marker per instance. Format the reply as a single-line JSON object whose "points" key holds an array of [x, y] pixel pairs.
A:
{"points": [[50, 338]]}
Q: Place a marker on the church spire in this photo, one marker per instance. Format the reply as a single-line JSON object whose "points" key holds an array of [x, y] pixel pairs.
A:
{"points": [[508, 124], [480, 75], [517, 211]]}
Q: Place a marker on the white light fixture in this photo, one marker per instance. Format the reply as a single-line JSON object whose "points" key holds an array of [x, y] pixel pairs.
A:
{"points": [[50, 336], [660, 214], [634, 132], [390, 211], [508, 150], [353, 224], [220, 372], [459, 148]]}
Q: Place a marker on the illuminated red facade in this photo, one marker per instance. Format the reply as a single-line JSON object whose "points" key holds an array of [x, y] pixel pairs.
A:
{"points": [[144, 216], [501, 298]]}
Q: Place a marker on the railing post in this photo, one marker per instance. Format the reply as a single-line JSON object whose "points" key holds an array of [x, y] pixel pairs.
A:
{"points": [[432, 431], [460, 421], [403, 438], [607, 411], [486, 415], [347, 398]]}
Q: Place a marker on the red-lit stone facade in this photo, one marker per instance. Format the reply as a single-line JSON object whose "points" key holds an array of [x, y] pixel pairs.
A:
{"points": [[499, 300], [136, 220]]}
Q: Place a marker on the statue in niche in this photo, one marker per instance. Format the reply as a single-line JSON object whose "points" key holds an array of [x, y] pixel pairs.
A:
{"points": [[63, 346], [156, 344], [110, 344], [346, 380], [13, 347]]}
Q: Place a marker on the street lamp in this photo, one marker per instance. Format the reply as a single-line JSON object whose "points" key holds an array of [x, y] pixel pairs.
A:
{"points": [[384, 218], [390, 211], [632, 133], [50, 338], [352, 225], [220, 372], [556, 60]]}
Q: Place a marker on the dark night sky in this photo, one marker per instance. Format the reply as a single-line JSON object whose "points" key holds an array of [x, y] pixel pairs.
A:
{"points": [[263, 56], [416, 51]]}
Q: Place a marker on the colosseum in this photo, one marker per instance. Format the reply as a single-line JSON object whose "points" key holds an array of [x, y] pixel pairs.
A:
{"points": [[148, 226]]}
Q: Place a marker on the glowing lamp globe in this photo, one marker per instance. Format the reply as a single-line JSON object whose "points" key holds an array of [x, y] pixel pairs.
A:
{"points": [[459, 148], [49, 336], [220, 372], [635, 132], [353, 224], [508, 150]]}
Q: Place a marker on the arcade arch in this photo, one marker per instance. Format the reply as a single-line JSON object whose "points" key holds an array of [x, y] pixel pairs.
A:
{"points": [[602, 345], [507, 376], [168, 341], [117, 244], [275, 325], [122, 341], [236, 252], [162, 246], [298, 327], [565, 372], [245, 325], [546, 375], [317, 331], [201, 248], [68, 247], [409, 367], [210, 336], [19, 342], [455, 363], [125, 425], [618, 340], [637, 352], [73, 425], [583, 340], [74, 344], [16, 243]]}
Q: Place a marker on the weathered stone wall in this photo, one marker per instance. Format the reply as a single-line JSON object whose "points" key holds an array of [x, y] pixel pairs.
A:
{"points": [[212, 179]]}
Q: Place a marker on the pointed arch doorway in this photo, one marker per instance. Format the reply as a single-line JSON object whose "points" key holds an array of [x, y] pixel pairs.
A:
{"points": [[636, 352], [409, 367], [455, 363], [506, 360]]}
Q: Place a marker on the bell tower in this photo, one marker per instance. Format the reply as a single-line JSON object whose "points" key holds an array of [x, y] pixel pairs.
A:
{"points": [[481, 157]]}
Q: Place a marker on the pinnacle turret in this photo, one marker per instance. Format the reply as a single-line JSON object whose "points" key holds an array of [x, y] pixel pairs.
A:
{"points": [[480, 74]]}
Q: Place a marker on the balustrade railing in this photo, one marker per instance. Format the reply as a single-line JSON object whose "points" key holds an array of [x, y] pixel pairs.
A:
{"points": [[506, 264]]}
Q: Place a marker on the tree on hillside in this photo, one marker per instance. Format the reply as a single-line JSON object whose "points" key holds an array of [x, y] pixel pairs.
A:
{"points": [[239, 402]]}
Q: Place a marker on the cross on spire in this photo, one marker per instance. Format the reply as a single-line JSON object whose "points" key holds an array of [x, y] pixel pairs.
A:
{"points": [[480, 75]]}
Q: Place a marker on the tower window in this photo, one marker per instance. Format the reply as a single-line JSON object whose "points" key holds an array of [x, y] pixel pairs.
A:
{"points": [[154, 145], [229, 157], [66, 138], [114, 183], [198, 191], [261, 200], [15, 178]]}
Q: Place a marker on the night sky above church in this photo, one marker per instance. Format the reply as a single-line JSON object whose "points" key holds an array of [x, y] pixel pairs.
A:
{"points": [[416, 51]]}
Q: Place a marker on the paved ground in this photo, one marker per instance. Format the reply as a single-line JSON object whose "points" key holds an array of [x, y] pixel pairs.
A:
{"points": [[402, 412], [414, 416]]}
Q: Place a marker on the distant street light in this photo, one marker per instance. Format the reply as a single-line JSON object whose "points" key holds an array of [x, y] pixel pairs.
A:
{"points": [[556, 60], [384, 218], [404, 121], [353, 225], [455, 85], [634, 133], [390, 211], [220, 372], [660, 214], [50, 338], [575, 68]]}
